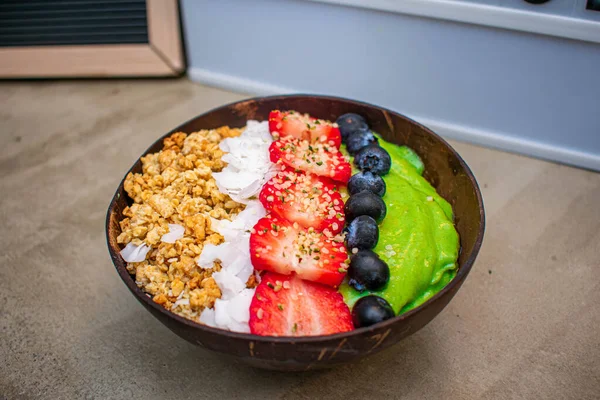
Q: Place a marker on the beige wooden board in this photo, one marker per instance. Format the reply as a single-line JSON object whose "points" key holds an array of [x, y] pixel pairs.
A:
{"points": [[163, 56]]}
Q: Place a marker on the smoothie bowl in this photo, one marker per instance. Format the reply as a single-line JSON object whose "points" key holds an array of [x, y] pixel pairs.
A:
{"points": [[296, 232]]}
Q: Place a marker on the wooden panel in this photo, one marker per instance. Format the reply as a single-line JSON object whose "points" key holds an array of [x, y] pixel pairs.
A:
{"points": [[158, 52], [80, 61], [164, 31]]}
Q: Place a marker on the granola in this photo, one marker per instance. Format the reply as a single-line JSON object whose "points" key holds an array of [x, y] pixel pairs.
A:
{"points": [[176, 187]]}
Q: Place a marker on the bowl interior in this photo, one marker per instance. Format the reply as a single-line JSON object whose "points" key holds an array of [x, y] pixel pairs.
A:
{"points": [[444, 169]]}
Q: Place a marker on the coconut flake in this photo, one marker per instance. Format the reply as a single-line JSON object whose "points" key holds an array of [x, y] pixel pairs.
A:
{"points": [[229, 284], [208, 317], [175, 233], [220, 226], [259, 130], [245, 270], [232, 314], [248, 169], [206, 259], [248, 162], [251, 189], [230, 181], [251, 214], [239, 306], [242, 223], [222, 318], [135, 253], [182, 302]]}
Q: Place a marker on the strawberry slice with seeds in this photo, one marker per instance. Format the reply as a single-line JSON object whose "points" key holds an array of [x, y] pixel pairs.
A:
{"points": [[309, 200], [317, 158], [281, 246], [303, 126], [285, 305]]}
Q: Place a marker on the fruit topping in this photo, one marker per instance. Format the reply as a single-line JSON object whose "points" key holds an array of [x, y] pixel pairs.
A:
{"points": [[367, 271], [365, 203], [285, 305], [369, 310], [350, 123], [373, 158], [318, 158], [309, 200], [366, 181], [359, 139], [362, 233], [303, 126], [285, 247]]}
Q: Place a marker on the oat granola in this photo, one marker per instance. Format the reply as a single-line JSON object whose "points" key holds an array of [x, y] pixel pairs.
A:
{"points": [[176, 187]]}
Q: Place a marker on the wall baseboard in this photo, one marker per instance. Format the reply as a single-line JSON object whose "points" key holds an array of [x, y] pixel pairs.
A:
{"points": [[446, 129], [512, 144], [235, 83]]}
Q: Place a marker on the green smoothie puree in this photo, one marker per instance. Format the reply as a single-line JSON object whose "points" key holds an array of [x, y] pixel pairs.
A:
{"points": [[417, 238]]}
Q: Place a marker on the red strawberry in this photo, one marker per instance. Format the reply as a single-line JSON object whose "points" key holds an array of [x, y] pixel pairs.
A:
{"points": [[303, 126], [289, 306], [309, 200], [281, 246], [317, 158]]}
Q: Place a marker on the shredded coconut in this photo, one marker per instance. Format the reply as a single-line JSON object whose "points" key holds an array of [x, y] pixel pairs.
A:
{"points": [[134, 253], [249, 166], [229, 284], [248, 169], [176, 232], [232, 314], [208, 317]]}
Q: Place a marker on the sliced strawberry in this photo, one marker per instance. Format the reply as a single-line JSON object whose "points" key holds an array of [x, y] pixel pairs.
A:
{"points": [[317, 158], [284, 247], [303, 126], [285, 305], [308, 199]]}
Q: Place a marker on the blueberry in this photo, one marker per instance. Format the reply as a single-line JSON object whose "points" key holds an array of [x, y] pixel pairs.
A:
{"points": [[373, 158], [366, 181], [362, 233], [350, 123], [359, 139], [367, 271], [365, 203], [370, 310]]}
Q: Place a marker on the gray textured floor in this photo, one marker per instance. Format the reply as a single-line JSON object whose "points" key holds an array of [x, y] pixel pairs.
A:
{"points": [[526, 324]]}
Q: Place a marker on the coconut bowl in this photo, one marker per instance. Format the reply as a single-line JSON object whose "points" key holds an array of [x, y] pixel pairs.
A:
{"points": [[444, 169]]}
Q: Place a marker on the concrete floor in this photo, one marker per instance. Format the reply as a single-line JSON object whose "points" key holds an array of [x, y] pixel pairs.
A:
{"points": [[526, 324]]}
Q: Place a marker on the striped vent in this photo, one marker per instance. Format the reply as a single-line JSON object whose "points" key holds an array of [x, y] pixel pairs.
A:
{"points": [[72, 22]]}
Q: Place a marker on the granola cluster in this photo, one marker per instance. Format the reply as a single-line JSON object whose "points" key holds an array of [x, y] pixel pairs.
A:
{"points": [[176, 187]]}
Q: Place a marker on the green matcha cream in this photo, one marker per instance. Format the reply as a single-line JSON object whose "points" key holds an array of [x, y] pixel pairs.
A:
{"points": [[417, 238]]}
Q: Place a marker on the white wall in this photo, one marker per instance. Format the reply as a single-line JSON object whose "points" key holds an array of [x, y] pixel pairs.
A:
{"points": [[519, 91]]}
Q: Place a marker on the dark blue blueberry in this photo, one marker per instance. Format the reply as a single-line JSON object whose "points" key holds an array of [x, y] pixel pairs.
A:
{"points": [[370, 310], [373, 158], [367, 271], [365, 203], [366, 181], [359, 139], [362, 233], [350, 123]]}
